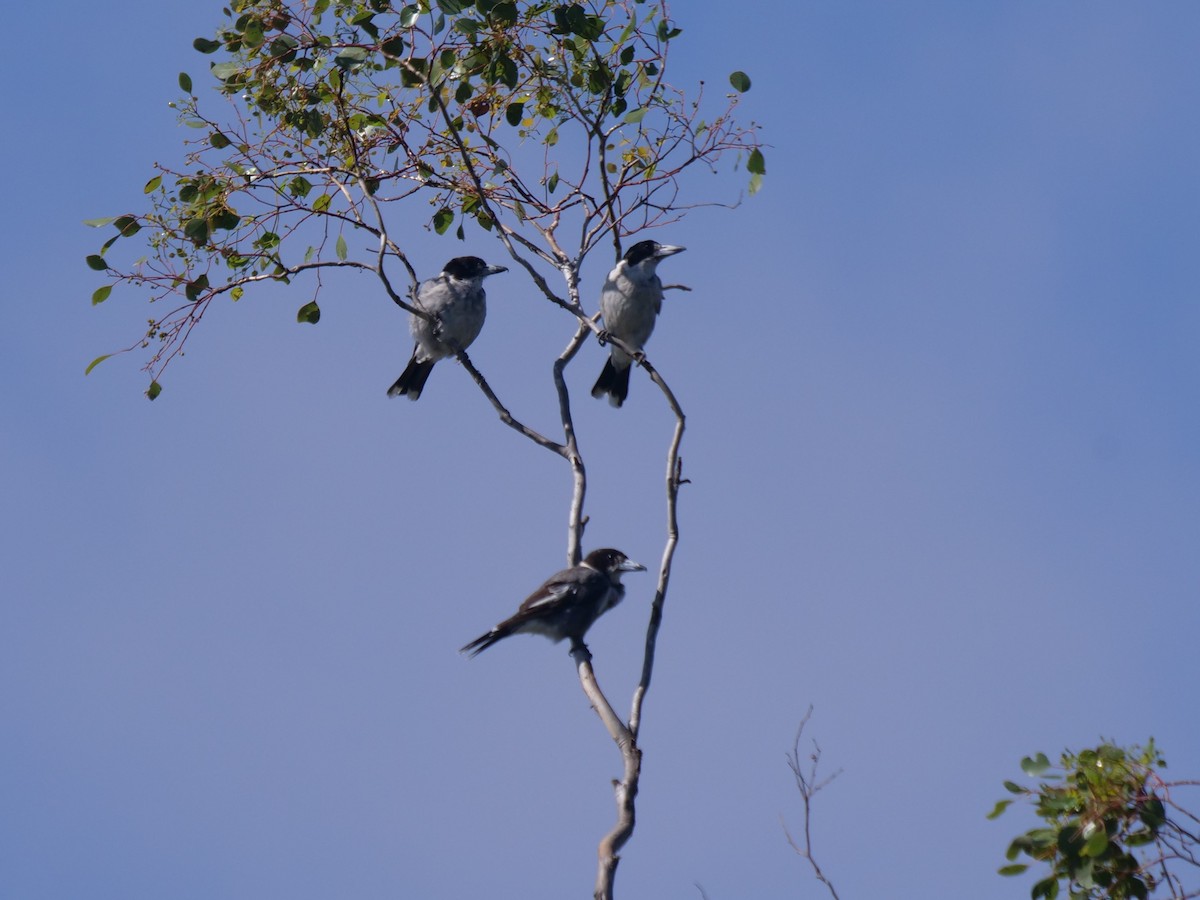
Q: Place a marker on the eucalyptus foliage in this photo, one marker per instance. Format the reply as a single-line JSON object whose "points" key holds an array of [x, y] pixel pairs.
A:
{"points": [[549, 124], [1106, 831]]}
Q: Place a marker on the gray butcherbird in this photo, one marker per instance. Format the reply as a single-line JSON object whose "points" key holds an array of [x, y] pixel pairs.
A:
{"points": [[568, 603], [630, 302], [458, 303]]}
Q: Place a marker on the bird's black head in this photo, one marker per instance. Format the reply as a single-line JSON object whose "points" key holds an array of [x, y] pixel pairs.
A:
{"points": [[468, 267], [644, 250], [612, 562]]}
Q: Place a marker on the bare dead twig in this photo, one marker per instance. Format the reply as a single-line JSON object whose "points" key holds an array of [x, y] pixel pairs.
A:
{"points": [[808, 784]]}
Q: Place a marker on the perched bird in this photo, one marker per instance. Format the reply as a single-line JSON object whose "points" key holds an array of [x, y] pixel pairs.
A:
{"points": [[457, 302], [568, 603], [630, 302]]}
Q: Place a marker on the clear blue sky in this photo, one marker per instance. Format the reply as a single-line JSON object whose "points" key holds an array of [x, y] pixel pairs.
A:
{"points": [[942, 381]]}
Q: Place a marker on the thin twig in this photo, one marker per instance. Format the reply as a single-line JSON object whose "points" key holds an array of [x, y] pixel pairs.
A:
{"points": [[808, 784]]}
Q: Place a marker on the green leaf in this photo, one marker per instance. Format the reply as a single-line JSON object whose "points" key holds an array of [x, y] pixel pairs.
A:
{"points": [[1139, 838], [1096, 843], [666, 32], [1047, 887], [226, 219], [95, 362], [152, 185], [252, 35], [409, 16], [635, 115], [101, 294], [223, 71], [502, 13], [97, 262], [128, 226], [339, 247], [1153, 814], [351, 58], [1014, 869], [1013, 788], [154, 390], [284, 47], [299, 187], [1000, 807], [443, 219], [309, 313], [513, 113], [185, 82], [194, 290], [218, 140], [467, 26], [1030, 765], [98, 223], [757, 165], [740, 81], [321, 204], [205, 45], [196, 231]]}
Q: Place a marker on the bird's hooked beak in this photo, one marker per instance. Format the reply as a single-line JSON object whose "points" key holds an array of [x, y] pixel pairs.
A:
{"points": [[665, 250], [630, 566], [496, 270]]}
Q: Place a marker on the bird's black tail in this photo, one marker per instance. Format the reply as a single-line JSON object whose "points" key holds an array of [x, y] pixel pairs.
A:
{"points": [[614, 382], [484, 641], [413, 379]]}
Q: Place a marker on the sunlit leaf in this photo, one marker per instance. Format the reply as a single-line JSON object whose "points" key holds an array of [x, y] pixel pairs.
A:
{"points": [[1034, 765], [101, 294], [95, 362], [154, 390], [1096, 843], [223, 71], [351, 57]]}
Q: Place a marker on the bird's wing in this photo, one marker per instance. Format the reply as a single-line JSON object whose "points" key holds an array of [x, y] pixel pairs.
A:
{"points": [[549, 596], [562, 588]]}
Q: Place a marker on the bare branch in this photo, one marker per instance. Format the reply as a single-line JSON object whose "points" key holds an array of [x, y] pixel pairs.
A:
{"points": [[808, 783]]}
